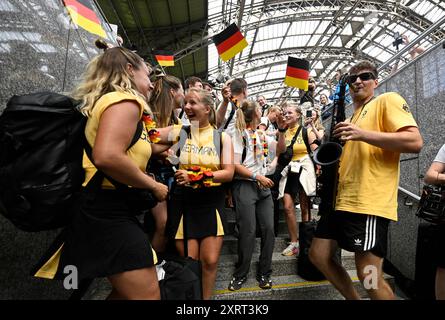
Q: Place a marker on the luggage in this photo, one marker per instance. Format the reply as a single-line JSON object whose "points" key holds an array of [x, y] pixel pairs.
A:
{"points": [[305, 268], [180, 278], [432, 204], [425, 270]]}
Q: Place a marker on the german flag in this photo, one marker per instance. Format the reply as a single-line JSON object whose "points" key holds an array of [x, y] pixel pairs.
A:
{"points": [[165, 58], [229, 42], [83, 15], [297, 73]]}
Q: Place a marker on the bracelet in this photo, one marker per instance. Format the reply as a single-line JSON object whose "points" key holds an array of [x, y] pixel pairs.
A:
{"points": [[254, 176], [282, 129]]}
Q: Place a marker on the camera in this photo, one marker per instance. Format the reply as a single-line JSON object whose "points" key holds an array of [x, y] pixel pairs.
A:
{"points": [[398, 40], [308, 113]]}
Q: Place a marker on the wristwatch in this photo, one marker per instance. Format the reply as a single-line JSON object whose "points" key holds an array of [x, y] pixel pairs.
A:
{"points": [[254, 176], [282, 129]]}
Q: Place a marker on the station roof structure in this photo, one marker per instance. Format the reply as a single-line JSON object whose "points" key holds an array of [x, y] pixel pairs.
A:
{"points": [[331, 34]]}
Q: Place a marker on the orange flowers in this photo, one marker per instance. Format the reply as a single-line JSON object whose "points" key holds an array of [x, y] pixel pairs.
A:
{"points": [[150, 125], [199, 178]]}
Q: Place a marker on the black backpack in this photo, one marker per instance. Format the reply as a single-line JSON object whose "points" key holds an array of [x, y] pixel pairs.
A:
{"points": [[41, 149], [42, 142]]}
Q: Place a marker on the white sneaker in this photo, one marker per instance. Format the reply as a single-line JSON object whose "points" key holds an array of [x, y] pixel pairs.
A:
{"points": [[293, 249]]}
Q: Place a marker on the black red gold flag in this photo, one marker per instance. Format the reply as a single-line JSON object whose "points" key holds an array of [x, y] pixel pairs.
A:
{"points": [[297, 73], [229, 42], [165, 58], [83, 15]]}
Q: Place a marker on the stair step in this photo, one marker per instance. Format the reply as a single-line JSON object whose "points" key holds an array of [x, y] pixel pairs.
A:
{"points": [[281, 265], [289, 287]]}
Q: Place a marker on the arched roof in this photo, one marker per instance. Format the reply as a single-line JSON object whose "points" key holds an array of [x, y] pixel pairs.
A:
{"points": [[331, 34]]}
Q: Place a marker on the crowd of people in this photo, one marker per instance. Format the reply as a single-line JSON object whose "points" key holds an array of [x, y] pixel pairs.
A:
{"points": [[228, 157]]}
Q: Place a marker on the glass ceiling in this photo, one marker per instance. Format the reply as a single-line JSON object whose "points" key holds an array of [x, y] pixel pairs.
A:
{"points": [[330, 34]]}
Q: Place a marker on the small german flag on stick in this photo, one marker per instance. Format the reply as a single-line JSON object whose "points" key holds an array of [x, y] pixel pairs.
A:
{"points": [[297, 73], [83, 15], [229, 42], [165, 58]]}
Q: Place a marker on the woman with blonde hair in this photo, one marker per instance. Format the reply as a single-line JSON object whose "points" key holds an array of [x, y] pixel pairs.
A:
{"points": [[105, 239], [167, 95], [299, 176], [205, 163], [314, 124], [251, 194]]}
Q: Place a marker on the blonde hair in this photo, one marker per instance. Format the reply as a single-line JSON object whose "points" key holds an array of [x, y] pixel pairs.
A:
{"points": [[161, 100], [275, 109], [317, 123], [297, 109], [206, 99], [106, 73], [245, 114]]}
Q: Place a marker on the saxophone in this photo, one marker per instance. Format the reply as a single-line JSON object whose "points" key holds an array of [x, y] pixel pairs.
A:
{"points": [[328, 154]]}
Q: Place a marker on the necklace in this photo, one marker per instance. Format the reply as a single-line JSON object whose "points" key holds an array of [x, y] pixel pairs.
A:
{"points": [[252, 134], [361, 110]]}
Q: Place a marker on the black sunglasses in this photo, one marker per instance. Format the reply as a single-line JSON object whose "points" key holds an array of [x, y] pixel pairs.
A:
{"points": [[363, 76]]}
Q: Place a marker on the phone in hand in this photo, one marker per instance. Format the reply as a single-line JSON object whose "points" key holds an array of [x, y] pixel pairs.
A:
{"points": [[308, 113]]}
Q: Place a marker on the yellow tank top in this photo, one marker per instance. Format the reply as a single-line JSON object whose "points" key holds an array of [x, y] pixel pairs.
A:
{"points": [[140, 152], [199, 149], [299, 147]]}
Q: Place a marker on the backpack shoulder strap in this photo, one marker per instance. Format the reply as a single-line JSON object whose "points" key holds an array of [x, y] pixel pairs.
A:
{"points": [[217, 141], [306, 141], [294, 138], [232, 113], [184, 134]]}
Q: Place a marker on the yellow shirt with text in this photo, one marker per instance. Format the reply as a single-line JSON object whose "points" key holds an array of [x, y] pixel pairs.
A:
{"points": [[199, 149], [369, 175], [299, 149]]}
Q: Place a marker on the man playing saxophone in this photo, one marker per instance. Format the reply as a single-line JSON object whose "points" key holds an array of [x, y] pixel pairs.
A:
{"points": [[380, 129]]}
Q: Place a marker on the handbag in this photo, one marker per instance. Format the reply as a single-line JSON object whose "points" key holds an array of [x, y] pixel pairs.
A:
{"points": [[284, 159], [432, 204]]}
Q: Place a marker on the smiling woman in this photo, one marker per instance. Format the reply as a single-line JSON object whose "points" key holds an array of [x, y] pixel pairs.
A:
{"points": [[204, 158]]}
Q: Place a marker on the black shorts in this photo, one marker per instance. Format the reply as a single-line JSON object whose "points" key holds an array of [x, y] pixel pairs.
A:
{"points": [[293, 185], [355, 232]]}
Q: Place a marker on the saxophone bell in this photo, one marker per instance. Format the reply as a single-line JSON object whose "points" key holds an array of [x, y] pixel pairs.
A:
{"points": [[328, 153]]}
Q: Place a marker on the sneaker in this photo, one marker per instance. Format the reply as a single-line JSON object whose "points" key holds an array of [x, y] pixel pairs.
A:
{"points": [[292, 249], [298, 207], [264, 282], [236, 283]]}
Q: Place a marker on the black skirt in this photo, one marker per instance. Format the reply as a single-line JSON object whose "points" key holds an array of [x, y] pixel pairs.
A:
{"points": [[104, 238], [204, 210]]}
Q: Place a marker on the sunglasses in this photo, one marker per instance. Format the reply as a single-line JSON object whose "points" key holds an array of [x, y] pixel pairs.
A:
{"points": [[363, 76]]}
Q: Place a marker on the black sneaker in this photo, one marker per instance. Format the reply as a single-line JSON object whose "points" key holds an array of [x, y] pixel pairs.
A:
{"points": [[264, 282], [236, 283]]}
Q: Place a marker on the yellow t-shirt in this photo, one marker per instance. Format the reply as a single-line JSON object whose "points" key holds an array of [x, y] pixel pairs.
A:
{"points": [[199, 150], [299, 148], [369, 175], [140, 152]]}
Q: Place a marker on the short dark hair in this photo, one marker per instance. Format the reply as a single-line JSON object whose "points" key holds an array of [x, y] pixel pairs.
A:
{"points": [[190, 81], [238, 85], [364, 65], [206, 84]]}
